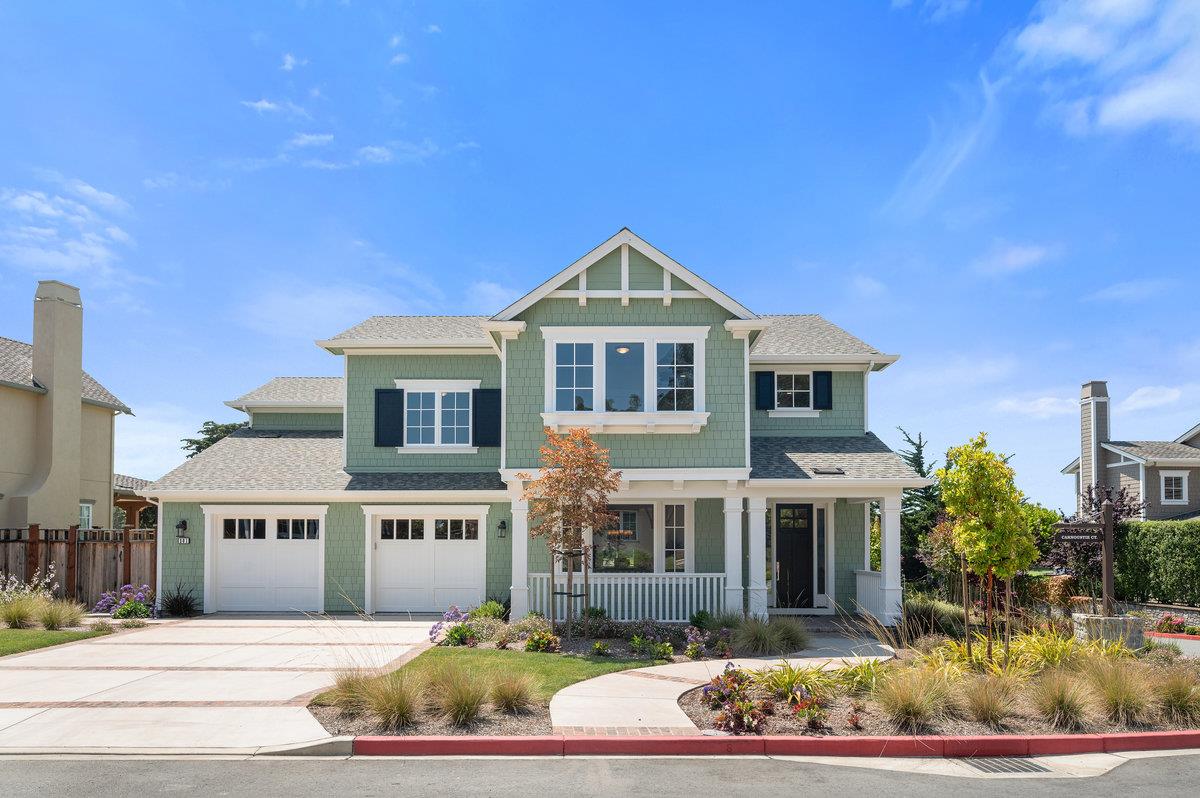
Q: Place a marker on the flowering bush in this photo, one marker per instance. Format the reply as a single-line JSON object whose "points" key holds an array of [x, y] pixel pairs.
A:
{"points": [[808, 707], [694, 651], [542, 641], [720, 643], [131, 610], [451, 616], [741, 716], [460, 634], [731, 684], [112, 602], [41, 586], [1171, 624]]}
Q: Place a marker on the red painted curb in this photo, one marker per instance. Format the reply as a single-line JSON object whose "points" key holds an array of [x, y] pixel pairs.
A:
{"points": [[929, 746], [1173, 635]]}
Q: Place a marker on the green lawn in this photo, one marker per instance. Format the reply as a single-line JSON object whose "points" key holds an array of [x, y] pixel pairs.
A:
{"points": [[549, 672], [14, 641]]}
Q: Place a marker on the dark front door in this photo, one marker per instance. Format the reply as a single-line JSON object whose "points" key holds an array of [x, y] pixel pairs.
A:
{"points": [[793, 555]]}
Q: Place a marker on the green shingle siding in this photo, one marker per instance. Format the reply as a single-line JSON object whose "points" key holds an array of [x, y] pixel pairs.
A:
{"points": [[644, 274], [345, 558], [721, 443], [183, 564], [605, 274], [297, 421], [846, 417], [710, 536], [847, 553], [368, 372]]}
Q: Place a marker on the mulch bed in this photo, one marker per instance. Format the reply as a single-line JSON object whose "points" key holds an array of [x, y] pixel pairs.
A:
{"points": [[534, 722]]}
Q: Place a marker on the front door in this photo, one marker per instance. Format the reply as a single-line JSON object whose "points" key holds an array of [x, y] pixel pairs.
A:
{"points": [[794, 555]]}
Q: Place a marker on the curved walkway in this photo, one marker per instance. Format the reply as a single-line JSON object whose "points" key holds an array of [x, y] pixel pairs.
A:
{"points": [[646, 700]]}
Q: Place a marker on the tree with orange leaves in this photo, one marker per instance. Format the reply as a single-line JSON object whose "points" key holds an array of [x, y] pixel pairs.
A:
{"points": [[568, 500]]}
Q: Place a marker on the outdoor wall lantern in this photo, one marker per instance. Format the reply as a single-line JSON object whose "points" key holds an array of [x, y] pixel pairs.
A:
{"points": [[502, 528], [181, 532]]}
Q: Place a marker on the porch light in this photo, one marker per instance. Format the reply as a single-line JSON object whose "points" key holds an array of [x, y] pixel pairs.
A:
{"points": [[622, 350], [502, 528]]}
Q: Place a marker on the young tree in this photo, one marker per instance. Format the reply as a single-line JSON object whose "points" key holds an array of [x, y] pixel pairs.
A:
{"points": [[569, 500], [990, 530], [210, 432], [920, 507]]}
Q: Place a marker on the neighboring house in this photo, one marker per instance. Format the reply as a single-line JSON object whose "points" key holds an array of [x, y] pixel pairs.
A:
{"points": [[748, 466], [1163, 474], [127, 496], [56, 422]]}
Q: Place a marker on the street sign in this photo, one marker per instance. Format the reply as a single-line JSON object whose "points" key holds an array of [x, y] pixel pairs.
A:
{"points": [[1080, 536], [1084, 532]]}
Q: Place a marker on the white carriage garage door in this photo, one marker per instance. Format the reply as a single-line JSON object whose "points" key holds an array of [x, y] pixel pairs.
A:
{"points": [[269, 563], [425, 560]]}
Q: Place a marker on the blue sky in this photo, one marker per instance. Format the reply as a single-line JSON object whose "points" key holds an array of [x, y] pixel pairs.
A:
{"points": [[1003, 193]]}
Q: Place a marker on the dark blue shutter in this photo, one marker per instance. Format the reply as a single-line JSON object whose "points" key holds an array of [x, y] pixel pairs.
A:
{"points": [[485, 426], [389, 417], [822, 390], [764, 390]]}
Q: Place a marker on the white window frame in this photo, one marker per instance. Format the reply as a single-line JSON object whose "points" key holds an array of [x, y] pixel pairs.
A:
{"points": [[648, 421], [793, 412], [659, 515], [437, 388], [91, 515], [1162, 487]]}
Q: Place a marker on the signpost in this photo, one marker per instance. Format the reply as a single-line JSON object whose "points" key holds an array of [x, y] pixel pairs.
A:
{"points": [[1095, 532]]}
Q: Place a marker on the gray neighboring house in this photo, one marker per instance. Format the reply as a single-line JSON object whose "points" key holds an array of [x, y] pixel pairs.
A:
{"points": [[1164, 474]]}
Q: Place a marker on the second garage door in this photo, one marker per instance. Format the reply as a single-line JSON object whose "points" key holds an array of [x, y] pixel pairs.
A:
{"points": [[427, 562]]}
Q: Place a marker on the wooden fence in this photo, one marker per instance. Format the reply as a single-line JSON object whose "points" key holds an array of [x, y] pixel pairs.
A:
{"points": [[87, 562]]}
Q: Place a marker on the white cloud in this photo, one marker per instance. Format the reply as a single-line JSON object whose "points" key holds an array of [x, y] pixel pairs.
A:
{"points": [[1039, 407], [302, 140], [1006, 258], [399, 58], [290, 62], [485, 296], [375, 154], [167, 180], [956, 371], [1150, 396], [936, 10], [943, 155], [148, 444], [265, 106], [396, 40], [433, 28], [866, 286], [1117, 64], [1129, 291]]}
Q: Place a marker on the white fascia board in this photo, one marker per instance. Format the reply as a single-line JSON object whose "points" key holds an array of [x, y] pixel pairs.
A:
{"points": [[299, 510], [1194, 431], [348, 497], [625, 237], [824, 484], [648, 474], [742, 328], [406, 346], [1123, 453], [872, 362], [283, 406], [1071, 467], [1180, 462]]}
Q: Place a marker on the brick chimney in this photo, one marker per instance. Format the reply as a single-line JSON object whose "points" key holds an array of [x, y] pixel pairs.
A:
{"points": [[1093, 430], [51, 496]]}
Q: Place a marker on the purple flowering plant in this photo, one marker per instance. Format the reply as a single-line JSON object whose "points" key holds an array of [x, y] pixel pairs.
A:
{"points": [[113, 600], [450, 617]]}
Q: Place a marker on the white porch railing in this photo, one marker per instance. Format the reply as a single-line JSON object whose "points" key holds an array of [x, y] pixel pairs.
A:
{"points": [[869, 595], [631, 597]]}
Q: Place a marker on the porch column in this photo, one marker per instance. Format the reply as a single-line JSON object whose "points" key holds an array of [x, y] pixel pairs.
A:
{"points": [[757, 589], [519, 591], [733, 555], [890, 556]]}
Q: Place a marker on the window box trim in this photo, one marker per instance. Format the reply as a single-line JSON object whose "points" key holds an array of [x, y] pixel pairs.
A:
{"points": [[437, 388], [1162, 487], [666, 421], [793, 412]]}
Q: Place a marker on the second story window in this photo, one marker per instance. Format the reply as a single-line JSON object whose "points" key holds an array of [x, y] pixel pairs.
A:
{"points": [[793, 390], [625, 375], [573, 371], [437, 414], [676, 376]]}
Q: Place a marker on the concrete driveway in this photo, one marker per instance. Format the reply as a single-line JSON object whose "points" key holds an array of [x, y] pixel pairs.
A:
{"points": [[230, 682]]}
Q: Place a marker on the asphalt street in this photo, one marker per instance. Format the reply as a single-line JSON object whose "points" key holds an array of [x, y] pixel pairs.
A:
{"points": [[1162, 777]]}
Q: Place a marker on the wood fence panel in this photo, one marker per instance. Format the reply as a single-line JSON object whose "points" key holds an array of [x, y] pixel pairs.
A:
{"points": [[87, 563]]}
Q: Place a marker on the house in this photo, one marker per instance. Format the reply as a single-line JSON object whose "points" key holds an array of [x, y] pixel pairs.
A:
{"points": [[127, 497], [748, 466], [1165, 475], [56, 422]]}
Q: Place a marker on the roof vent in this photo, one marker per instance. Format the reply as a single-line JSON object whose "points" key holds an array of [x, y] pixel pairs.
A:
{"points": [[830, 471]]}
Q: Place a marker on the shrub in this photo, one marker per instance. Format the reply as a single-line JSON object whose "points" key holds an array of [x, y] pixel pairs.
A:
{"points": [[543, 641], [458, 696], [1122, 689], [731, 684], [860, 677], [1171, 624], [1159, 559], [791, 683], [727, 619], [1061, 700], [927, 615], [1042, 650], [131, 609], [133, 623], [42, 585], [487, 629], [533, 622], [488, 609], [655, 631], [756, 637], [701, 619], [741, 716], [1178, 693], [460, 634], [393, 698], [349, 691], [601, 649], [595, 613], [180, 603], [987, 699], [914, 698], [511, 693], [61, 614], [1158, 653], [1191, 630], [694, 651], [663, 650], [450, 617], [21, 612], [112, 601], [101, 626]]}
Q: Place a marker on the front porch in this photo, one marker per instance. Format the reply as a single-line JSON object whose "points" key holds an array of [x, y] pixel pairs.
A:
{"points": [[781, 550]]}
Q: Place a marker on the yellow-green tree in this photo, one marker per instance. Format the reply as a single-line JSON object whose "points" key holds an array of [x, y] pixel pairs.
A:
{"points": [[990, 529]]}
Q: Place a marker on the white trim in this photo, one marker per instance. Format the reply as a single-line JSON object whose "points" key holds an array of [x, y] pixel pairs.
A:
{"points": [[625, 237], [1132, 457], [437, 448], [158, 554], [665, 421], [503, 402], [270, 496], [745, 388], [1142, 495], [875, 362], [793, 412], [625, 275], [867, 399], [1162, 487], [648, 474], [437, 385], [437, 388], [406, 346], [1194, 431], [345, 414]]}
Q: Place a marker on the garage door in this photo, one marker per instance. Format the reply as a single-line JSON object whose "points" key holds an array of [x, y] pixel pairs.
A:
{"points": [[269, 564], [425, 564]]}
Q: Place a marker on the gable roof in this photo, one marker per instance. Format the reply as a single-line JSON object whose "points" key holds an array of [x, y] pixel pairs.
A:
{"points": [[625, 236], [310, 392], [1194, 432], [811, 337], [1154, 451], [16, 370], [412, 331]]}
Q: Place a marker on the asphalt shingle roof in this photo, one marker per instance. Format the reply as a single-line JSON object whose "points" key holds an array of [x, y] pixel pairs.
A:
{"points": [[301, 390], [124, 482], [808, 334], [16, 367], [1155, 450], [466, 329], [250, 459], [859, 456]]}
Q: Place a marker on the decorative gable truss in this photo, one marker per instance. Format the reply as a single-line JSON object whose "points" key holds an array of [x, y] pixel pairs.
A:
{"points": [[625, 267]]}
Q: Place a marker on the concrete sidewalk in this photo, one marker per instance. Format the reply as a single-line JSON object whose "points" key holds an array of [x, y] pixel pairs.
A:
{"points": [[646, 700], [224, 683]]}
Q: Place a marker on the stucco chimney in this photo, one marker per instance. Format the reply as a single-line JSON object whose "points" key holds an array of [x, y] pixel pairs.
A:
{"points": [[53, 500], [1093, 430]]}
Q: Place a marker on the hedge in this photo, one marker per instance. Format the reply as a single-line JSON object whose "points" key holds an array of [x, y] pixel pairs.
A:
{"points": [[1159, 561]]}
